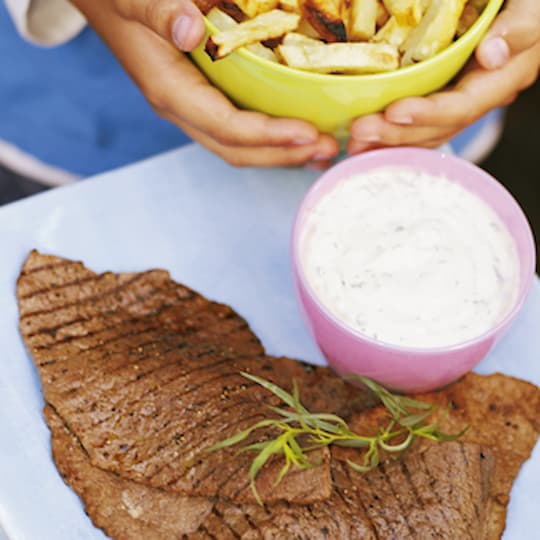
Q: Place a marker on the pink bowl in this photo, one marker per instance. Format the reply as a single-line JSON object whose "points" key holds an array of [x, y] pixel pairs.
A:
{"points": [[403, 368]]}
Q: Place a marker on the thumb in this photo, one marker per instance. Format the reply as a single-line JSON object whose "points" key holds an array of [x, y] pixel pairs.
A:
{"points": [[177, 21], [516, 29]]}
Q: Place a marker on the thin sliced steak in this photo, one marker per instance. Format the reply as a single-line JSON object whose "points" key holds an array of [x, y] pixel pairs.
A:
{"points": [[378, 505], [146, 373]]}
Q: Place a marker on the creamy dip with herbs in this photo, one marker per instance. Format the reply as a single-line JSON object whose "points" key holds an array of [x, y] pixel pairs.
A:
{"points": [[410, 259]]}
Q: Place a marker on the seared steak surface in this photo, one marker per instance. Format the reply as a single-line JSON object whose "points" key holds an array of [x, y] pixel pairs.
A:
{"points": [[141, 376]]}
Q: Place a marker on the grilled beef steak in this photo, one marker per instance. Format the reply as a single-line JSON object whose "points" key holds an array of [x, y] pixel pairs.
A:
{"points": [[441, 492], [141, 376]]}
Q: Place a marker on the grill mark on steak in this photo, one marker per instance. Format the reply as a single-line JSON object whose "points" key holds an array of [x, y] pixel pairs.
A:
{"points": [[59, 287], [123, 387], [434, 491], [376, 511], [224, 523], [108, 327], [190, 455], [395, 496], [208, 533], [118, 358], [82, 301], [412, 487], [330, 514], [126, 364], [101, 343], [55, 328], [420, 501], [237, 518], [50, 266], [473, 501], [346, 471], [127, 415], [108, 321], [141, 379], [89, 366]]}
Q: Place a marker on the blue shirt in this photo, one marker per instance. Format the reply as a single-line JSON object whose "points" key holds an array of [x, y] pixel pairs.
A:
{"points": [[74, 107]]}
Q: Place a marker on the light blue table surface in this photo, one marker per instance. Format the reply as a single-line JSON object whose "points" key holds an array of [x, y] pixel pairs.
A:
{"points": [[222, 231]]}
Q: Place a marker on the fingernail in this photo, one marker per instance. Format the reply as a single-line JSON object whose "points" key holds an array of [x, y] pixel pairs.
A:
{"points": [[403, 120], [358, 148], [496, 53], [304, 140], [181, 30], [367, 137]]}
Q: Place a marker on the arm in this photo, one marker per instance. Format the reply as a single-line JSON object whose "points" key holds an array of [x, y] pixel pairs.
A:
{"points": [[506, 62], [46, 22], [145, 36]]}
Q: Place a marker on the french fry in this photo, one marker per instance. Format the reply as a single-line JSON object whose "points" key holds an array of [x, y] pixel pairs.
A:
{"points": [[405, 11], [326, 16], [296, 38], [289, 5], [467, 19], [252, 8], [272, 24], [434, 33], [340, 57], [393, 33], [362, 21], [305, 28], [222, 21], [339, 36], [382, 14]]}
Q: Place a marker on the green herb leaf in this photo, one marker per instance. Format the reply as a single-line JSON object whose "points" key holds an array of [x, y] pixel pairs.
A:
{"points": [[300, 432]]}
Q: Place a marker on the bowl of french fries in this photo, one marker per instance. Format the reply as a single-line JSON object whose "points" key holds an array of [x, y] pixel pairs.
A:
{"points": [[331, 61]]}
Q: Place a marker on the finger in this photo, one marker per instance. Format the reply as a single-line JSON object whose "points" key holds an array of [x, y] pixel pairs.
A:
{"points": [[516, 29], [375, 131], [172, 84], [204, 107], [355, 147], [177, 21], [322, 151], [474, 95]]}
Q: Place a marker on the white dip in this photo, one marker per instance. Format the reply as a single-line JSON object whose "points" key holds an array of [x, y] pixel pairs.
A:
{"points": [[410, 259]]}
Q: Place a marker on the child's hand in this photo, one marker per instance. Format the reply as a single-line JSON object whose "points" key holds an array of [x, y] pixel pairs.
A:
{"points": [[146, 35], [507, 61]]}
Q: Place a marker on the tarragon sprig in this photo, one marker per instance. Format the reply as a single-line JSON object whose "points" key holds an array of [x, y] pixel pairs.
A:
{"points": [[301, 431]]}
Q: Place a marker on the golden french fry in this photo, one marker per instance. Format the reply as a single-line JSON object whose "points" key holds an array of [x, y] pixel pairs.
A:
{"points": [[289, 5], [405, 11], [307, 30], [340, 57], [252, 8], [382, 14], [222, 21], [296, 38], [272, 24], [362, 20], [326, 16], [393, 33], [434, 33]]}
